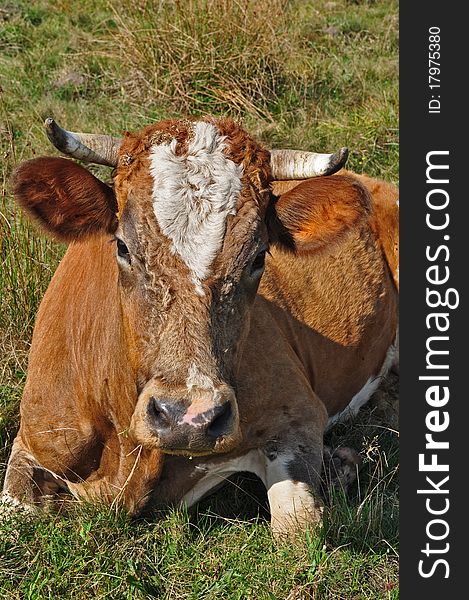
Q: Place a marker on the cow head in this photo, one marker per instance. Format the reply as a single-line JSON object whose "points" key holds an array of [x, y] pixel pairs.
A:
{"points": [[192, 216]]}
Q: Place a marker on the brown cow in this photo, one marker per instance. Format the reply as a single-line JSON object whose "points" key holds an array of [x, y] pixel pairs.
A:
{"points": [[157, 337]]}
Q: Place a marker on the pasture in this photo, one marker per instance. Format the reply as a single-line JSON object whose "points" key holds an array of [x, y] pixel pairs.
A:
{"points": [[315, 75]]}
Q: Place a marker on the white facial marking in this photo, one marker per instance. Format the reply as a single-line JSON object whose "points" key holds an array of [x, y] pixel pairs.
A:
{"points": [[192, 196], [195, 378]]}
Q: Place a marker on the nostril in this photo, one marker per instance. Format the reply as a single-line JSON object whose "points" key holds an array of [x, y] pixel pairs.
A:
{"points": [[221, 421], [158, 414]]}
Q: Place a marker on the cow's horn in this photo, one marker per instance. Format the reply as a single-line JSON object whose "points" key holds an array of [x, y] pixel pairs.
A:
{"points": [[296, 164], [89, 147]]}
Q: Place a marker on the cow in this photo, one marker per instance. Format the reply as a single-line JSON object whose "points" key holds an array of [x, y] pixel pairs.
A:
{"points": [[199, 324]]}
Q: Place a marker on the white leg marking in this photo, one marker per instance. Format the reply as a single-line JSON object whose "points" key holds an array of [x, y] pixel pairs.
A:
{"points": [[292, 504]]}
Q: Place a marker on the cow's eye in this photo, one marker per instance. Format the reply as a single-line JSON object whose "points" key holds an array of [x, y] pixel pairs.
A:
{"points": [[123, 251], [258, 264]]}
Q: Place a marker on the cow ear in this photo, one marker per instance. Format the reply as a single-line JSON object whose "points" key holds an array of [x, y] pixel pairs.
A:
{"points": [[64, 198], [317, 212]]}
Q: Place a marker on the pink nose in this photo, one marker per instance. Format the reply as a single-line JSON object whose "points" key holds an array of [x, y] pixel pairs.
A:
{"points": [[182, 420], [178, 428]]}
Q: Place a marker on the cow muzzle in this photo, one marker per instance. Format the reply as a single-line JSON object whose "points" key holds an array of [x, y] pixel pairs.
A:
{"points": [[201, 422]]}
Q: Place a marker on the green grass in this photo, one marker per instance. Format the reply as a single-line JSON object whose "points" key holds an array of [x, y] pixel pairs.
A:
{"points": [[306, 74], [224, 549], [98, 553]]}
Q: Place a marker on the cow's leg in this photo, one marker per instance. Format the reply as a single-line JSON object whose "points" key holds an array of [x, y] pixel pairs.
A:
{"points": [[27, 484], [128, 483], [291, 473], [292, 479]]}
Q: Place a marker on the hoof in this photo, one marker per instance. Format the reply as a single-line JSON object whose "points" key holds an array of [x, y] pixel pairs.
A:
{"points": [[340, 468]]}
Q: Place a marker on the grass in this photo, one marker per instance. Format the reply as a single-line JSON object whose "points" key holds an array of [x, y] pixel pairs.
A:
{"points": [[222, 550], [181, 557], [312, 75]]}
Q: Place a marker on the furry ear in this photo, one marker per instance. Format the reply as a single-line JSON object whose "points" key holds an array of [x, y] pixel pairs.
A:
{"points": [[318, 212], [66, 199]]}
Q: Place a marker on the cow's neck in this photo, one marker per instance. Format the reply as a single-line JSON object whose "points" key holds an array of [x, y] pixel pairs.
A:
{"points": [[328, 291]]}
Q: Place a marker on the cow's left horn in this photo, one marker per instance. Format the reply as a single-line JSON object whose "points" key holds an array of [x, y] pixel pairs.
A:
{"points": [[297, 164], [89, 147]]}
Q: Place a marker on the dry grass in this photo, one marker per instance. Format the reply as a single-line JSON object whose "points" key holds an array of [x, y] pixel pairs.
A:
{"points": [[205, 55]]}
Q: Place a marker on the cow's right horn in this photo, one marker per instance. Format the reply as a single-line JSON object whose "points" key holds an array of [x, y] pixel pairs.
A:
{"points": [[297, 164], [89, 147]]}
